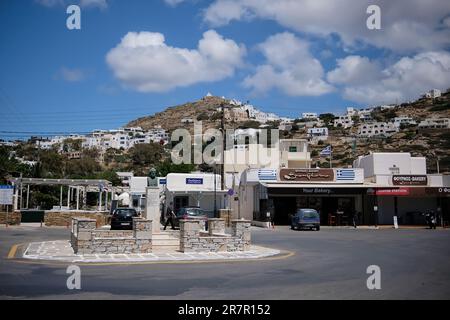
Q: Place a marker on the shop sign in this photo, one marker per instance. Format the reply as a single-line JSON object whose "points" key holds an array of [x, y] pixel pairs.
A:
{"points": [[409, 180], [441, 191], [444, 190], [307, 175], [6, 194], [194, 180], [393, 192], [317, 190]]}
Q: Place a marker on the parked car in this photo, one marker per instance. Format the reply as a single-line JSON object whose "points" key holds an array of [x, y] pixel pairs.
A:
{"points": [[306, 218], [190, 213], [122, 218]]}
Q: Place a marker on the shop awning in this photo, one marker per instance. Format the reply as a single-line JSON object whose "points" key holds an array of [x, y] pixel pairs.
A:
{"points": [[315, 185]]}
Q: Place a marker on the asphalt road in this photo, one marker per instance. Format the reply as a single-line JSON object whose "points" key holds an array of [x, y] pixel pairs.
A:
{"points": [[329, 264]]}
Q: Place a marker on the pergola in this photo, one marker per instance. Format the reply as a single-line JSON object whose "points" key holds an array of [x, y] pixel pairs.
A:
{"points": [[75, 187]]}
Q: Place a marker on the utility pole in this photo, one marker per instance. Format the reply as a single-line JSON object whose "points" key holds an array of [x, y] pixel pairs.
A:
{"points": [[222, 165], [437, 164], [215, 192]]}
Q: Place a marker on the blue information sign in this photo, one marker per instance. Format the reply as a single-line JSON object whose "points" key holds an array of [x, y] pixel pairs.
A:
{"points": [[194, 180]]}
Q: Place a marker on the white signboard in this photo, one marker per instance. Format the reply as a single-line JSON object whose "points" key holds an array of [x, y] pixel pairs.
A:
{"points": [[6, 194]]}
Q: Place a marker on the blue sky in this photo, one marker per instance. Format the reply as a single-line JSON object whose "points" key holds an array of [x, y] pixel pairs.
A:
{"points": [[283, 58]]}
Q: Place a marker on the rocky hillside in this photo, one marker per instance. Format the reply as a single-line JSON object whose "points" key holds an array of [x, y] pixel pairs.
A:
{"points": [[172, 118], [432, 143]]}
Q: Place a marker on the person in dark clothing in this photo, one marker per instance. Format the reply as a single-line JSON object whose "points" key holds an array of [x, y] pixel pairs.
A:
{"points": [[430, 218], [355, 218], [170, 215]]}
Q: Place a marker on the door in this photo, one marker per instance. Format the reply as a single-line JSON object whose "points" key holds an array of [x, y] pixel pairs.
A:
{"points": [[284, 207], [180, 202]]}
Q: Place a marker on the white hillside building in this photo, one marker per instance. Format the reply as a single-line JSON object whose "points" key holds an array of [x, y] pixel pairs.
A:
{"points": [[405, 120], [435, 123], [433, 93], [310, 115], [385, 129], [343, 121]]}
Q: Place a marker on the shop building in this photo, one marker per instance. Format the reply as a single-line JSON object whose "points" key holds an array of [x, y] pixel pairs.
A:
{"points": [[195, 189], [377, 188], [399, 186]]}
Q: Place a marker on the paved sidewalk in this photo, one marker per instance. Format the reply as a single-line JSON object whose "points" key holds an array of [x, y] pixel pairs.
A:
{"points": [[62, 251]]}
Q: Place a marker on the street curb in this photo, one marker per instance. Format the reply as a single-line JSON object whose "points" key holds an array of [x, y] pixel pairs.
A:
{"points": [[270, 254]]}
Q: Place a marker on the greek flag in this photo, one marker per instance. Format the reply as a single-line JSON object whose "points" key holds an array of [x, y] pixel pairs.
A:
{"points": [[267, 174], [326, 152], [345, 174]]}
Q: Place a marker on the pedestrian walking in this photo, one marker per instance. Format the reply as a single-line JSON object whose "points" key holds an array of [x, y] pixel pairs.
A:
{"points": [[355, 218], [170, 215], [430, 218]]}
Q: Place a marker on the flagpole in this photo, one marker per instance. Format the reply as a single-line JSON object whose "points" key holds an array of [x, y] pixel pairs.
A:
{"points": [[331, 154]]}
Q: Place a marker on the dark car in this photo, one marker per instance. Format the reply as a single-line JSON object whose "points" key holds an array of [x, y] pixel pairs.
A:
{"points": [[122, 219], [306, 219], [190, 213]]}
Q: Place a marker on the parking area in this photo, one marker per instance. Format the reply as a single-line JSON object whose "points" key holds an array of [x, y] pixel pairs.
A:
{"points": [[328, 264]]}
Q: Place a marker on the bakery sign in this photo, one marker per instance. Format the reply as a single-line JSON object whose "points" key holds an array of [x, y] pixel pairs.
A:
{"points": [[307, 175], [409, 180]]}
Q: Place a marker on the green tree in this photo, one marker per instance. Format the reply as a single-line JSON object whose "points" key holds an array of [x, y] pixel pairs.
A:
{"points": [[327, 118], [52, 164], [203, 116], [250, 124], [110, 176], [167, 167], [10, 167], [146, 154]]}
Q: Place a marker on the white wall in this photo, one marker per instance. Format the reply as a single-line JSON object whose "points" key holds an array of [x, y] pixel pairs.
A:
{"points": [[418, 165], [177, 181], [138, 184], [380, 163]]}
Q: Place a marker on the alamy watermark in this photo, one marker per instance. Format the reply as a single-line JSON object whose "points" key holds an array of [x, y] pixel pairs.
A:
{"points": [[73, 21], [374, 280], [373, 22], [74, 280], [214, 146]]}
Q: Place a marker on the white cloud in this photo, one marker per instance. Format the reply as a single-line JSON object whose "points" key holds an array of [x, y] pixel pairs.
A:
{"points": [[354, 70], [404, 80], [173, 3], [407, 25], [144, 61], [289, 68], [102, 4], [50, 3], [70, 75]]}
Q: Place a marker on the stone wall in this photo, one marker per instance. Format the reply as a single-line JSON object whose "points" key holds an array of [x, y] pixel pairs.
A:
{"points": [[86, 239], [192, 239], [64, 218], [227, 215], [14, 218]]}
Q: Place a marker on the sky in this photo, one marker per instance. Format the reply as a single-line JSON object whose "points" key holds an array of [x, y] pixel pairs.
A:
{"points": [[134, 58]]}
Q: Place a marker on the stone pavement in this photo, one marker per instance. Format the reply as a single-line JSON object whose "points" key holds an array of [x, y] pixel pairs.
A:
{"points": [[61, 251]]}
